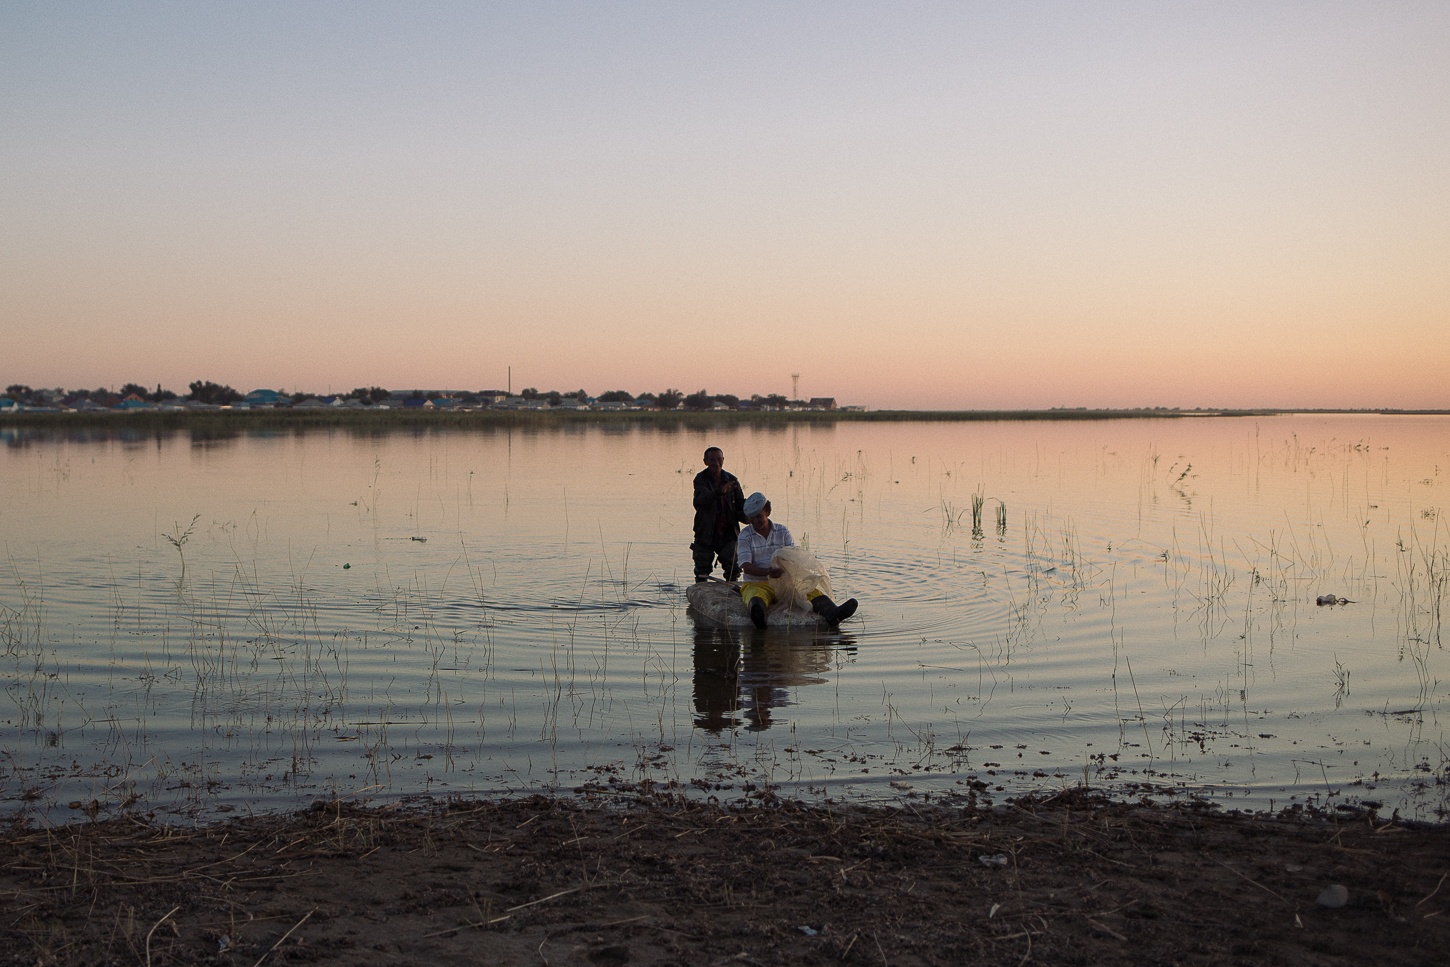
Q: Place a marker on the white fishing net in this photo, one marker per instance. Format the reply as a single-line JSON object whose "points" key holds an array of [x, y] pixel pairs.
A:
{"points": [[803, 574]]}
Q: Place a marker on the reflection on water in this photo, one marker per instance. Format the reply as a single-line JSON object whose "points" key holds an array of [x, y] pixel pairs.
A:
{"points": [[194, 623], [742, 676], [717, 679]]}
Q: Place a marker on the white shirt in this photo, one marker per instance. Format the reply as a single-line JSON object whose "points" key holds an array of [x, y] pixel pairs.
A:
{"points": [[752, 548]]}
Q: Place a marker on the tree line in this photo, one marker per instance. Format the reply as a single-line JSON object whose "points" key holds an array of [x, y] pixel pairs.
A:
{"points": [[203, 390], [218, 394]]}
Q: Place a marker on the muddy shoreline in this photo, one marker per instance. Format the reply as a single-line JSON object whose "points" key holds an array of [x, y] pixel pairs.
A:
{"points": [[1062, 879]]}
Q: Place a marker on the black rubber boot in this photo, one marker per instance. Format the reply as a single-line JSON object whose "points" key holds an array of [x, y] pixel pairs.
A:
{"points": [[832, 612], [757, 613]]}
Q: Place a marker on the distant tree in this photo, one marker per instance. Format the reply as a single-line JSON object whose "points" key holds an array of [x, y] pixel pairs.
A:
{"points": [[699, 401], [728, 399], [373, 394], [616, 396], [209, 392], [529, 393], [136, 389], [19, 392], [776, 399], [579, 395], [645, 399], [669, 399], [162, 395], [554, 397]]}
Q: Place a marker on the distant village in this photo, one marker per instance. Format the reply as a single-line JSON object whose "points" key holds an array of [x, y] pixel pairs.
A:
{"points": [[205, 395]]}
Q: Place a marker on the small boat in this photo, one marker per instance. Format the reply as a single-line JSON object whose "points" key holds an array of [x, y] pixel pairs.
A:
{"points": [[719, 603]]}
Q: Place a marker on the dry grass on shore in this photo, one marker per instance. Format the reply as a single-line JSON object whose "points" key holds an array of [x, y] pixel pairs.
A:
{"points": [[1069, 879]]}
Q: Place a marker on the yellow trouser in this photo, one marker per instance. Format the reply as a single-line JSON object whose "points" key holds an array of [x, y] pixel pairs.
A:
{"points": [[762, 590]]}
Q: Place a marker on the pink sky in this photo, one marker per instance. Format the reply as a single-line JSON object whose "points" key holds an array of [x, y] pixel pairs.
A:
{"points": [[921, 205]]}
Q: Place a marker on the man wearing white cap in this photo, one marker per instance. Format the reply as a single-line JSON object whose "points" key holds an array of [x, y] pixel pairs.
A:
{"points": [[755, 554]]}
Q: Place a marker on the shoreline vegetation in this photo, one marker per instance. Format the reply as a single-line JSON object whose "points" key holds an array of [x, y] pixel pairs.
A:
{"points": [[375, 418]]}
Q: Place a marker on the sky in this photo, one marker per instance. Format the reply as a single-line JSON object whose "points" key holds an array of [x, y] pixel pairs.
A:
{"points": [[917, 205]]}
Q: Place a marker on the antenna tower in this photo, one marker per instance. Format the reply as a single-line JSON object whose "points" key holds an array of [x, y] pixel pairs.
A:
{"points": [[795, 386]]}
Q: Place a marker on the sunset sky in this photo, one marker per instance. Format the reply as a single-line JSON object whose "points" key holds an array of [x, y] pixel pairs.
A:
{"points": [[956, 205]]}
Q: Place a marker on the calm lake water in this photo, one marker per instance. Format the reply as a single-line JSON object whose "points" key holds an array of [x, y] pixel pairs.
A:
{"points": [[196, 626]]}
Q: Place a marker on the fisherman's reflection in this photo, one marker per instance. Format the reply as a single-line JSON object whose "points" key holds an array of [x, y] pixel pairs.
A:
{"points": [[717, 676], [741, 677]]}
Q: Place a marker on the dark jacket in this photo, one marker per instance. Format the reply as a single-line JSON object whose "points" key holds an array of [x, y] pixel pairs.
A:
{"points": [[719, 511]]}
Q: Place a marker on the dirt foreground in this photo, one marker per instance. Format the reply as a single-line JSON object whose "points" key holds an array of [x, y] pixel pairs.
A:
{"points": [[1067, 879]]}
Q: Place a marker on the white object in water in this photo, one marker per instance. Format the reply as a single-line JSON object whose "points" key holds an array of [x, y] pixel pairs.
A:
{"points": [[719, 603]]}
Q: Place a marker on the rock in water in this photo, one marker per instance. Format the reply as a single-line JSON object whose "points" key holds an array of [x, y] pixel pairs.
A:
{"points": [[719, 603]]}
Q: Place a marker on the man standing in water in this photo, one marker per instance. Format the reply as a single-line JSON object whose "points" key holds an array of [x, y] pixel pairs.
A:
{"points": [[756, 553], [719, 512]]}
